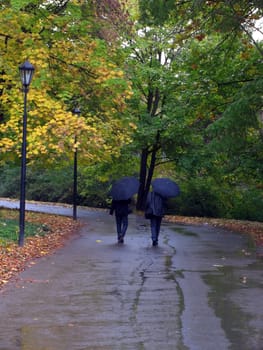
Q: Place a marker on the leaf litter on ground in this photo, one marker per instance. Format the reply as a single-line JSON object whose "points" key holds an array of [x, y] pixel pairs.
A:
{"points": [[59, 229], [253, 228], [56, 230]]}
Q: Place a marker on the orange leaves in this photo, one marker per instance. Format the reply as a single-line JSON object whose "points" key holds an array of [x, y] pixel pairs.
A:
{"points": [[200, 37], [255, 229], [14, 259]]}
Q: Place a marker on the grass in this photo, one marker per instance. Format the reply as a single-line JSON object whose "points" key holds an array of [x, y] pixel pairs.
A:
{"points": [[44, 234], [9, 227]]}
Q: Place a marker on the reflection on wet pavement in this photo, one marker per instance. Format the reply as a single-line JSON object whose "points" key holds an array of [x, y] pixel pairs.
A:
{"points": [[230, 281], [196, 291]]}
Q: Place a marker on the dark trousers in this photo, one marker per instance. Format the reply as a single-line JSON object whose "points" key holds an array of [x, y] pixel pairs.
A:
{"points": [[122, 225], [155, 226]]}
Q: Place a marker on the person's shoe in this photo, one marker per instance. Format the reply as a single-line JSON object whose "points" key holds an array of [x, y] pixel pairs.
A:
{"points": [[120, 240], [155, 243]]}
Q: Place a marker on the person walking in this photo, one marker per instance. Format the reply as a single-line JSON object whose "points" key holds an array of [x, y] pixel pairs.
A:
{"points": [[154, 211], [121, 209]]}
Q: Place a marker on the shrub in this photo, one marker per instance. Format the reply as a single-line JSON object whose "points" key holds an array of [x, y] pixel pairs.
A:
{"points": [[248, 205], [197, 198]]}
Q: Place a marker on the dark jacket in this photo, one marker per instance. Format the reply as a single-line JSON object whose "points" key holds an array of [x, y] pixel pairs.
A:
{"points": [[121, 208], [154, 204]]}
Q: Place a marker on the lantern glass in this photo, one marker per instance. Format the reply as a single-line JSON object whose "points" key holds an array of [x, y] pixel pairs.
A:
{"points": [[76, 111], [26, 73]]}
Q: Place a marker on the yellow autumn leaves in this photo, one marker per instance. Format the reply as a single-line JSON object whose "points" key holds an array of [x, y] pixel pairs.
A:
{"points": [[64, 68]]}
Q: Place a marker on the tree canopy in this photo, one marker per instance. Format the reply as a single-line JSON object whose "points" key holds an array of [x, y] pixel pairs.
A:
{"points": [[164, 87], [189, 70], [72, 68]]}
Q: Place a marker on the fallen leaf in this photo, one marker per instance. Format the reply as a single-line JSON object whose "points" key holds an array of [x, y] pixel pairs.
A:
{"points": [[14, 259]]}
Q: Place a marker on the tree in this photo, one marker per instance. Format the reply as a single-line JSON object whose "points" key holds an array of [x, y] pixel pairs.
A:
{"points": [[201, 17], [72, 68], [153, 52], [223, 88], [230, 17], [176, 103]]}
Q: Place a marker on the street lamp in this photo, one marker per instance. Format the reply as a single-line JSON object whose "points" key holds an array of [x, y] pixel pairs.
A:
{"points": [[26, 73], [77, 112]]}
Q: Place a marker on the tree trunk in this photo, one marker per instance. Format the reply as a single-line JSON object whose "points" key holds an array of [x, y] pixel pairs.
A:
{"points": [[143, 175], [146, 174], [150, 173]]}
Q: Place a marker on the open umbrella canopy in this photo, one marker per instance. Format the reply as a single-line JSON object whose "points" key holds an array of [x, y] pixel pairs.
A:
{"points": [[124, 188], [165, 187]]}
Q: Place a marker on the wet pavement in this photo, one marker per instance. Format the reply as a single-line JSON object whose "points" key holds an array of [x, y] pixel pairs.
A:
{"points": [[200, 289]]}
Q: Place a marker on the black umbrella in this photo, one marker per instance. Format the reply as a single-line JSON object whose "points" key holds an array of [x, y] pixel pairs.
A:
{"points": [[124, 188], [165, 187]]}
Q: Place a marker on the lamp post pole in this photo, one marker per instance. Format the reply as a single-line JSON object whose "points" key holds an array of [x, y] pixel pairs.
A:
{"points": [[75, 172], [26, 73]]}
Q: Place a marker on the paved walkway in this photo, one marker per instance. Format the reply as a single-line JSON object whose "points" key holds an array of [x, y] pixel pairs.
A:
{"points": [[201, 289]]}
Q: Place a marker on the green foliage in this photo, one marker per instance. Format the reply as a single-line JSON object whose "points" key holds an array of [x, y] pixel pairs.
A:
{"points": [[196, 76], [50, 185], [205, 197], [199, 197], [196, 90], [155, 12], [248, 204], [9, 181], [18, 4], [92, 190], [56, 185], [95, 181], [239, 128]]}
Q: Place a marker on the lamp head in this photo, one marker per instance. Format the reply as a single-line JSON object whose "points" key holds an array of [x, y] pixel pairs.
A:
{"points": [[26, 73], [76, 111]]}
